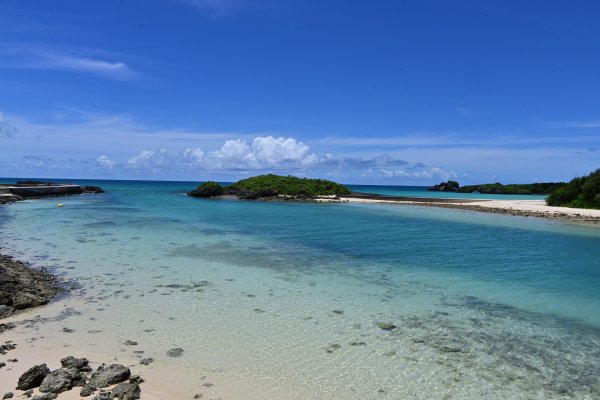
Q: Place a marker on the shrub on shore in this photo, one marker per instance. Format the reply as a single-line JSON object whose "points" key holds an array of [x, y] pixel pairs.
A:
{"points": [[581, 192], [207, 189]]}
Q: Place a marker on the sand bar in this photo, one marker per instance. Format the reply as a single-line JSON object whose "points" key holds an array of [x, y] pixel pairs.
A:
{"points": [[524, 208]]}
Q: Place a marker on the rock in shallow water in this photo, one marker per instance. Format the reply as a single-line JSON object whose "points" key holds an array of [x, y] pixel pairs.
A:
{"points": [[106, 376], [176, 352], [386, 326], [33, 377], [57, 382]]}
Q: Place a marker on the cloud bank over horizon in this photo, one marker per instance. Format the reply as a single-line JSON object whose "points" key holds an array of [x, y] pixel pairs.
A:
{"points": [[78, 144]]}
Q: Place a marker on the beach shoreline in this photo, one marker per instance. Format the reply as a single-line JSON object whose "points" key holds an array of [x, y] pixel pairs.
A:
{"points": [[19, 353], [520, 208]]}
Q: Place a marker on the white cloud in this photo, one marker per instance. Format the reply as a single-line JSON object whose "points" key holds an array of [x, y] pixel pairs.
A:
{"points": [[105, 162], [432, 174], [71, 134], [150, 160], [263, 152], [91, 61], [194, 156], [115, 70], [6, 128]]}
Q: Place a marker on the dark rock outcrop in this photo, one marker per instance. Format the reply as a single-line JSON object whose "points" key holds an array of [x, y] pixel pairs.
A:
{"points": [[92, 189], [87, 390], [80, 364], [450, 186], [207, 189], [246, 194], [57, 382], [106, 376], [127, 391], [34, 189], [23, 287], [103, 396], [45, 396], [33, 377]]}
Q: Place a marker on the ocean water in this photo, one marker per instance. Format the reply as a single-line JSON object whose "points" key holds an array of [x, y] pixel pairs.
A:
{"points": [[283, 300]]}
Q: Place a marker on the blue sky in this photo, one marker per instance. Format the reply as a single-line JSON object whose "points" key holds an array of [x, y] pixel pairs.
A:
{"points": [[387, 92]]}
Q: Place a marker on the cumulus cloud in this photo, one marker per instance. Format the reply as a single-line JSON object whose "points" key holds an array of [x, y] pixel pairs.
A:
{"points": [[6, 129], [151, 160], [266, 154], [263, 152], [105, 162]]}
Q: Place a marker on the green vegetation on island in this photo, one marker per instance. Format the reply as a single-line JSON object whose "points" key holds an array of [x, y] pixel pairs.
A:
{"points": [[498, 188], [271, 185], [207, 189], [581, 192]]}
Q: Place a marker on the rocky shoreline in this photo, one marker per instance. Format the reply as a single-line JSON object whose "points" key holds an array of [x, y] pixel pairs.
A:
{"points": [[22, 190], [23, 287]]}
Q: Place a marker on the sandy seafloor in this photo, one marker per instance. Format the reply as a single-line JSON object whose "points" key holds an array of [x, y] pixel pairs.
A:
{"points": [[263, 318]]}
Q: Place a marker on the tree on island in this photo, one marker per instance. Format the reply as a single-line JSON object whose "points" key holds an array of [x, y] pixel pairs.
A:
{"points": [[207, 189], [581, 192]]}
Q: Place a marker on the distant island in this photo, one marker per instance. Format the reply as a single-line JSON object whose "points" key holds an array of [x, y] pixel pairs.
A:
{"points": [[498, 188], [272, 186]]}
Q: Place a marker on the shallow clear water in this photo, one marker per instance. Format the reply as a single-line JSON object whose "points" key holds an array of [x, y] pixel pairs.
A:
{"points": [[282, 300]]}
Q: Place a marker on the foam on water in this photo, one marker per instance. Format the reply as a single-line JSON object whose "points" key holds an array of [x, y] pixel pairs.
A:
{"points": [[277, 300]]}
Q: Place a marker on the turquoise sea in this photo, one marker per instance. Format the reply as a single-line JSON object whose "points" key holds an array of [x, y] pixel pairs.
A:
{"points": [[283, 300]]}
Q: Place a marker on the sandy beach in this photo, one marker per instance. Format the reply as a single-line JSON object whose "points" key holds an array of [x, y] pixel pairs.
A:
{"points": [[523, 208]]}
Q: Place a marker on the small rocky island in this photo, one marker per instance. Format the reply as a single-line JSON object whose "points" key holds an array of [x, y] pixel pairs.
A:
{"points": [[273, 187], [22, 190]]}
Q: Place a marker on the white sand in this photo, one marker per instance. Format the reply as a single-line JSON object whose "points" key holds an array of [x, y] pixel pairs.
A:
{"points": [[536, 207]]}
